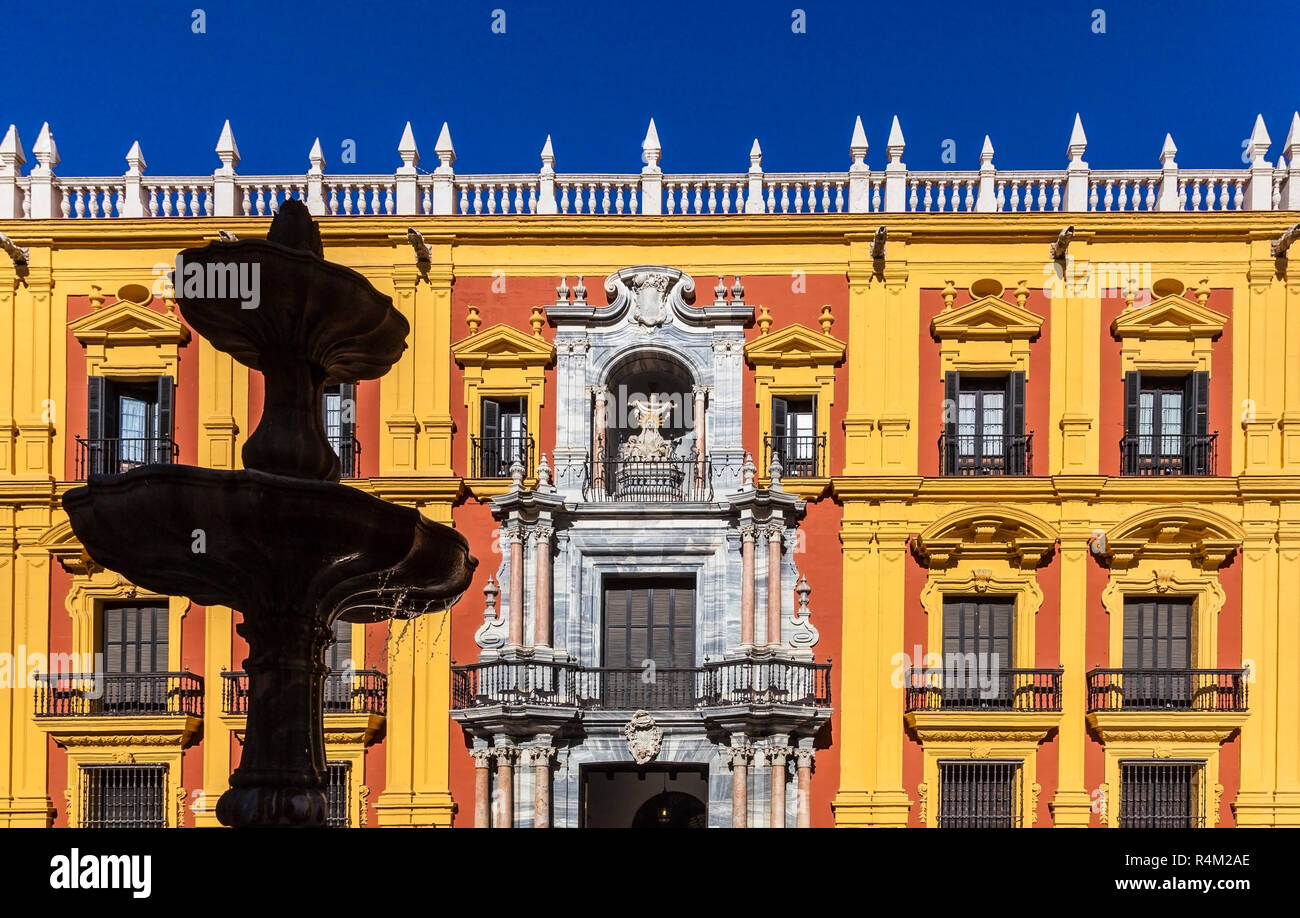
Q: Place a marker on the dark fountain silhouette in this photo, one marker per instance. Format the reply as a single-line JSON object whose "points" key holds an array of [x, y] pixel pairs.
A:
{"points": [[281, 541]]}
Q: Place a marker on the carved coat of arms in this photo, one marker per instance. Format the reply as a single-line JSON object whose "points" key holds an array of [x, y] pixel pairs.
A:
{"points": [[644, 737], [649, 297]]}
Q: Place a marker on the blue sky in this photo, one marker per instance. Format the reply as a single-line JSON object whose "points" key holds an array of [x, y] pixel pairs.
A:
{"points": [[591, 74]]}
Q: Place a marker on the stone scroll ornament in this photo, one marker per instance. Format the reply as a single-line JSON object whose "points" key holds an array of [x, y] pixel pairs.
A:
{"points": [[286, 545]]}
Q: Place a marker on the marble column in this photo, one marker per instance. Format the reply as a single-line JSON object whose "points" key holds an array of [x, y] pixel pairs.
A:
{"points": [[542, 593], [803, 759], [776, 756], [701, 471], [482, 757], [599, 426], [515, 535], [775, 532], [504, 817], [540, 756], [738, 757], [748, 535]]}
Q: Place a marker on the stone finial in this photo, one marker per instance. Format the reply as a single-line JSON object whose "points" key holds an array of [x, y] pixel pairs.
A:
{"points": [[1078, 141], [1130, 295], [826, 319], [755, 157], [764, 320], [949, 294], [544, 474], [651, 151], [579, 293], [490, 593], [803, 589], [1203, 291], [986, 154], [96, 296], [317, 159], [472, 319], [548, 157], [227, 150], [135, 164], [895, 145], [45, 150], [1022, 294], [1168, 152], [562, 292], [536, 319], [774, 472], [1292, 143], [12, 157], [408, 151], [516, 474], [720, 292], [747, 472], [445, 151], [737, 290], [858, 144], [1259, 141]]}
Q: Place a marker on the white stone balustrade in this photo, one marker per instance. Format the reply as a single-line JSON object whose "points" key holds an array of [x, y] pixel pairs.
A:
{"points": [[1075, 187]]}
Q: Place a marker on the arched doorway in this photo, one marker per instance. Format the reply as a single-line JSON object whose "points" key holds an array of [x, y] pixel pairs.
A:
{"points": [[672, 810]]}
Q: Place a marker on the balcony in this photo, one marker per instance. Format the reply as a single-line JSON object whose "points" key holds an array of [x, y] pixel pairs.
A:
{"points": [[119, 695], [564, 685], [1177, 454], [114, 455], [1010, 690], [668, 480], [362, 691], [986, 454], [801, 457], [349, 453], [492, 457], [1205, 690]]}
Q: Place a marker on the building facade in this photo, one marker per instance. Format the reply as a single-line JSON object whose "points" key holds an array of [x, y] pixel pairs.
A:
{"points": [[870, 498]]}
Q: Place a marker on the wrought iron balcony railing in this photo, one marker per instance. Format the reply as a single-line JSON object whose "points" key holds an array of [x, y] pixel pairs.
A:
{"points": [[1007, 690], [987, 454], [118, 694], [1167, 690], [349, 453], [1169, 454], [113, 455], [730, 682], [675, 479], [360, 691], [492, 457], [801, 457]]}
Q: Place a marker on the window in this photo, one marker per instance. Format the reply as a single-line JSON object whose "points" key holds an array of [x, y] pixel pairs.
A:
{"points": [[1161, 795], [339, 405], [128, 424], [1166, 425], [977, 651], [794, 437], [1157, 653], [122, 796], [503, 439], [338, 776], [979, 794], [338, 657], [649, 619], [984, 426], [135, 643]]}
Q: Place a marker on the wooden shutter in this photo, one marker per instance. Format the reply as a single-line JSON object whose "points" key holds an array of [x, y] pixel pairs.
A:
{"points": [[951, 391], [1157, 634], [1196, 423], [166, 418], [347, 418], [1015, 424], [616, 619], [96, 405], [135, 639], [491, 427], [1132, 394], [780, 418]]}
